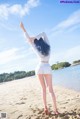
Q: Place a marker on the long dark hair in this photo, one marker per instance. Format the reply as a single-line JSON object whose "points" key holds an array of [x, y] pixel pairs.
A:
{"points": [[42, 46]]}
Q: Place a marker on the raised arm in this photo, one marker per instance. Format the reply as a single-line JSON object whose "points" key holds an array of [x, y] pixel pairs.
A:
{"points": [[29, 39]]}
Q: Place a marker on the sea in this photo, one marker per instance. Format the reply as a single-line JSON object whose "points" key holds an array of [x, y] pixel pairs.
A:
{"points": [[67, 77]]}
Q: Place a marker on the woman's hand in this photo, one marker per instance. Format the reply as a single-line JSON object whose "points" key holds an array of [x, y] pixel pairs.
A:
{"points": [[22, 26]]}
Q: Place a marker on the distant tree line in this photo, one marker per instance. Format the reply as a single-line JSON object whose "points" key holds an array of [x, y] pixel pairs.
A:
{"points": [[77, 61], [21, 74], [60, 65], [16, 75]]}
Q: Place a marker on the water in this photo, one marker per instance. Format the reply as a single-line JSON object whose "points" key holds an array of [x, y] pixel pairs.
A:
{"points": [[68, 77]]}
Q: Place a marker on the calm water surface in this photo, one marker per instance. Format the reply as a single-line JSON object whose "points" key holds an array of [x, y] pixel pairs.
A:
{"points": [[68, 77]]}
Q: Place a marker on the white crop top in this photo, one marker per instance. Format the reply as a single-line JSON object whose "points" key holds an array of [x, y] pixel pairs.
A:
{"points": [[40, 56]]}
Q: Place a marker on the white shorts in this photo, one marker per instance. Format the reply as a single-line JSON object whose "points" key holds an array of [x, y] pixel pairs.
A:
{"points": [[43, 68]]}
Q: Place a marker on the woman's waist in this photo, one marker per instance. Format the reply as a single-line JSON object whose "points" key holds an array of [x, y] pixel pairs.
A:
{"points": [[44, 61]]}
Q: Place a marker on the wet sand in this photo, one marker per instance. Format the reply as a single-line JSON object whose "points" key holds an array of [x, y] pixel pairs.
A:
{"points": [[22, 99]]}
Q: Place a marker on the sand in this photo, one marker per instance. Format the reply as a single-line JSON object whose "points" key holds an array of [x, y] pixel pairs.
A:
{"points": [[22, 99]]}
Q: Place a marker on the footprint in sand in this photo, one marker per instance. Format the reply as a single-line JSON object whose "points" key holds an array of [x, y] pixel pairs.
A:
{"points": [[75, 109], [30, 106], [73, 112], [62, 114], [65, 102], [34, 111], [14, 112], [68, 99], [19, 116], [37, 109], [20, 103], [40, 112], [64, 107], [70, 113], [24, 98], [77, 95], [65, 117], [29, 117]]}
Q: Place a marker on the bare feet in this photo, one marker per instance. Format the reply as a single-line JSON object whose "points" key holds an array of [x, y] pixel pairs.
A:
{"points": [[56, 112], [46, 111]]}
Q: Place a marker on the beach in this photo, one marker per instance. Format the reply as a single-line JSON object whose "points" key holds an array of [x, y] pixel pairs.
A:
{"points": [[22, 99]]}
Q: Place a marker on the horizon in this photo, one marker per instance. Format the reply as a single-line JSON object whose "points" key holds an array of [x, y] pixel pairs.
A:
{"points": [[60, 21], [71, 64]]}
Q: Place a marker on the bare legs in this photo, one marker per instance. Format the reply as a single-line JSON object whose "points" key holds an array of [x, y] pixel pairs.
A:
{"points": [[48, 79], [42, 82]]}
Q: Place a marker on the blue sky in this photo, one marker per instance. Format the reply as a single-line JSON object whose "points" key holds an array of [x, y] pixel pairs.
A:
{"points": [[60, 21]]}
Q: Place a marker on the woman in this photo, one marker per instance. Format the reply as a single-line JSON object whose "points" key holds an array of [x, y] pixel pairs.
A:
{"points": [[41, 46]]}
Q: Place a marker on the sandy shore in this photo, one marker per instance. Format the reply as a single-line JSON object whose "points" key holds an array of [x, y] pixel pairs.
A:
{"points": [[22, 99]]}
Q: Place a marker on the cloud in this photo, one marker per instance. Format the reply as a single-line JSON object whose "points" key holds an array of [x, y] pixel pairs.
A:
{"points": [[26, 65], [15, 54], [7, 9], [70, 55], [17, 59], [73, 21], [8, 55]]}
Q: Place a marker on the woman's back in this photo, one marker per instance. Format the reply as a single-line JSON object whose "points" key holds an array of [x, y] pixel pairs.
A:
{"points": [[42, 47]]}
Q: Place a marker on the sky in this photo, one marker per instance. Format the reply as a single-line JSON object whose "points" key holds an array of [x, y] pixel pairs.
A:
{"points": [[60, 21]]}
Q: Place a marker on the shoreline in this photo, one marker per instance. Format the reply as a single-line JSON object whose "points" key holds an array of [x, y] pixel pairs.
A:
{"points": [[22, 99]]}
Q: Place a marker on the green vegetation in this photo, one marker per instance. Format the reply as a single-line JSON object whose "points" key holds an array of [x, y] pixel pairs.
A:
{"points": [[76, 62], [16, 75], [60, 65], [21, 74]]}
